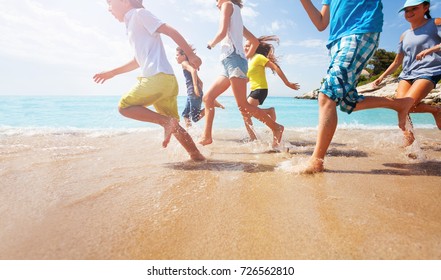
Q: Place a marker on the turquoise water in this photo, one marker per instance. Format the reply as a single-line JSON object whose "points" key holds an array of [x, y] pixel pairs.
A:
{"points": [[100, 112]]}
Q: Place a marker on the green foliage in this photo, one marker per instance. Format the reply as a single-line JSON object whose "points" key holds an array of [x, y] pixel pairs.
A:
{"points": [[379, 62]]}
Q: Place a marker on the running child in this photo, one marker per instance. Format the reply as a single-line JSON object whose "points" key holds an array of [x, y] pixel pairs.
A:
{"points": [[419, 52], [234, 60], [263, 57], [157, 84], [192, 111], [355, 27]]}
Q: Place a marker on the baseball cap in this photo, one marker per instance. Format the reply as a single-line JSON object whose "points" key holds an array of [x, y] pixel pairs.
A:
{"points": [[410, 3]]}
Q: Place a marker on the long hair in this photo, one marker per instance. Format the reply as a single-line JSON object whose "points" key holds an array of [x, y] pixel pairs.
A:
{"points": [[427, 14], [267, 49], [237, 2], [181, 51]]}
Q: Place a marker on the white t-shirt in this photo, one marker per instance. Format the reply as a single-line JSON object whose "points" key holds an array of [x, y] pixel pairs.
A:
{"points": [[149, 49]]}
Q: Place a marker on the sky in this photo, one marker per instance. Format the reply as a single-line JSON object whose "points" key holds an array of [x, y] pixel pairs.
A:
{"points": [[50, 47]]}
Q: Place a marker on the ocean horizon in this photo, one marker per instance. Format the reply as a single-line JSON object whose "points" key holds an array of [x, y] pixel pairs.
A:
{"points": [[100, 113]]}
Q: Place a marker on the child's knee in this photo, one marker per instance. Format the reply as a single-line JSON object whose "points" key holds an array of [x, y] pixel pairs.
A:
{"points": [[325, 100], [121, 110], [207, 100]]}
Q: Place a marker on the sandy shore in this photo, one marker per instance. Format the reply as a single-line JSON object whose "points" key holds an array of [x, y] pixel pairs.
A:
{"points": [[121, 196]]}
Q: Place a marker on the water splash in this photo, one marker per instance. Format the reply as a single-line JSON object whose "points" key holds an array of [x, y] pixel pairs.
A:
{"points": [[296, 165]]}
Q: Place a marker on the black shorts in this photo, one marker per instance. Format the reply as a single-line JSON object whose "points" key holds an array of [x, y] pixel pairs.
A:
{"points": [[259, 94]]}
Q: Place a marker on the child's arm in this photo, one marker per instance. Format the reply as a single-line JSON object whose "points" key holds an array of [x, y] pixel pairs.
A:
{"points": [[193, 59], [194, 76], [254, 42], [226, 12], [104, 76], [282, 76], [319, 18], [433, 49], [391, 69]]}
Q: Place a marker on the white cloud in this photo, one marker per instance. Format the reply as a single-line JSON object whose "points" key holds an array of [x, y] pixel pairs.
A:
{"points": [[312, 43], [249, 12], [307, 59], [39, 33]]}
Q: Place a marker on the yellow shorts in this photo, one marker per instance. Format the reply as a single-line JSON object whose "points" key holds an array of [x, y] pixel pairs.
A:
{"points": [[160, 90]]}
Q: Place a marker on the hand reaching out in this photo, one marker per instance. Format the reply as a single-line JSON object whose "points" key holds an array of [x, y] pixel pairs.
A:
{"points": [[100, 78], [294, 86], [377, 82]]}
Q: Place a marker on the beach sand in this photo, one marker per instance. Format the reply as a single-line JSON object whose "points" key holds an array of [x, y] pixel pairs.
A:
{"points": [[86, 195]]}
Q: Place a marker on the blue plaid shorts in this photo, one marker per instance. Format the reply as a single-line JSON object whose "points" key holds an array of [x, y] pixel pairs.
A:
{"points": [[349, 56]]}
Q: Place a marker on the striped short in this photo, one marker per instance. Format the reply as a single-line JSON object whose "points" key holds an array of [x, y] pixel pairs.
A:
{"points": [[349, 56]]}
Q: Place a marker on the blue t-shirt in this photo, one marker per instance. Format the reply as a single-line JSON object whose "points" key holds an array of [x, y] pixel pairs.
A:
{"points": [[348, 17]]}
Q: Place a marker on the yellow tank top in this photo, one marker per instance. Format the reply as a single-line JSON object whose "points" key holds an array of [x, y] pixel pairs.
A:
{"points": [[256, 72]]}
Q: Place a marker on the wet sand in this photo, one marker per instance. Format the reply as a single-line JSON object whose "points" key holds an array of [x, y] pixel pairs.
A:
{"points": [[121, 196]]}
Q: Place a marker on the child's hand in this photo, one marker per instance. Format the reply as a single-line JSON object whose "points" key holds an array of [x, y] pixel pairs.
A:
{"points": [[294, 86], [377, 82], [195, 61], [103, 76], [423, 54], [210, 45]]}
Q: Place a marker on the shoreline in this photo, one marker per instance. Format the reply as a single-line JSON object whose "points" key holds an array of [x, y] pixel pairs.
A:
{"points": [[121, 196]]}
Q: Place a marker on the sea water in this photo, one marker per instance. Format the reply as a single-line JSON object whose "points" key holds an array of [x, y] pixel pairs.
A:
{"points": [[100, 112]]}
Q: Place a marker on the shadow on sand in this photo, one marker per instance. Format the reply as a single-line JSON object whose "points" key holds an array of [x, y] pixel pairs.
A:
{"points": [[428, 168], [334, 153], [221, 165]]}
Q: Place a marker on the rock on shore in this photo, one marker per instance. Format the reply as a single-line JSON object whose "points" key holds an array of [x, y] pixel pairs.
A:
{"points": [[386, 89]]}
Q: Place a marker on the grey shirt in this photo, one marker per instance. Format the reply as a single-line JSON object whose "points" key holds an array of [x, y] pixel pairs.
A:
{"points": [[415, 41]]}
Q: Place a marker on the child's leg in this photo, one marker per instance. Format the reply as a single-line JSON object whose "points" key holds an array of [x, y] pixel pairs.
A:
{"points": [[185, 139], [186, 113], [219, 87], [187, 122], [249, 126], [195, 108], [143, 114], [248, 121], [239, 87], [161, 91], [167, 107], [418, 91], [326, 129], [401, 105]]}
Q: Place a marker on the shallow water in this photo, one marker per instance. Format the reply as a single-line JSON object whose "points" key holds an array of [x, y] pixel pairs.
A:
{"points": [[100, 112], [118, 195]]}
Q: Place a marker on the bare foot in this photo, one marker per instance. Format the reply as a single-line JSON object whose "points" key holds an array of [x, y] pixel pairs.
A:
{"points": [[409, 138], [272, 113], [403, 112], [218, 105], [187, 123], [197, 156], [315, 165], [437, 117], [205, 141], [277, 136], [170, 128]]}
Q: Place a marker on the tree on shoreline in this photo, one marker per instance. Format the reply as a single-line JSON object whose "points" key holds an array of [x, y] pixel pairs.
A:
{"points": [[379, 62]]}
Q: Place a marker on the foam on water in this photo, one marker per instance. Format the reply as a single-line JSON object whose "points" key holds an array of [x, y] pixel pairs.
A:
{"points": [[295, 165]]}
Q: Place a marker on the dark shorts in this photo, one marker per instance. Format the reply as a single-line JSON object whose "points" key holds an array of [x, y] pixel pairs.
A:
{"points": [[433, 79], [259, 94]]}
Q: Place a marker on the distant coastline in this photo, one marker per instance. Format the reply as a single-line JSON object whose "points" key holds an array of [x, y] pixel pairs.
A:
{"points": [[387, 89]]}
